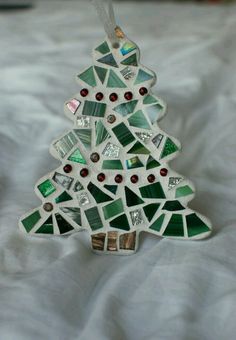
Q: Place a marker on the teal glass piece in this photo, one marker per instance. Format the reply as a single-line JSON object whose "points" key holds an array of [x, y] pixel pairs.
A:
{"points": [[98, 194], [154, 190], [133, 163], [47, 227], [65, 144], [101, 72], [120, 222], [158, 223], [195, 225], [114, 81], [131, 198], [149, 100], [112, 164], [132, 60], [94, 218], [95, 109], [123, 134], [139, 148], [183, 191], [77, 157], [142, 77], [111, 188], [84, 136], [127, 48], [169, 148], [173, 206], [30, 221], [152, 163], [126, 108], [46, 188], [108, 60], [175, 226], [138, 120], [150, 210], [73, 213], [113, 209], [64, 197], [101, 133], [63, 225], [88, 77], [153, 112], [103, 48]]}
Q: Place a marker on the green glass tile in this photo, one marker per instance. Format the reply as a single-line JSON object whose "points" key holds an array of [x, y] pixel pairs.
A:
{"points": [[47, 227], [132, 60], [94, 218], [30, 221], [123, 134], [150, 210], [65, 144], [114, 81], [153, 112], [108, 60], [113, 209], [149, 100], [126, 108], [175, 226], [64, 197], [169, 148], [138, 120], [63, 225], [131, 198], [101, 133], [195, 225], [173, 206], [127, 48], [103, 48], [98, 194], [139, 148], [77, 157], [142, 76], [152, 163], [120, 222], [73, 213], [152, 191], [101, 72], [46, 188], [112, 164], [111, 188], [84, 136], [133, 163], [183, 191], [158, 223], [94, 109], [88, 77]]}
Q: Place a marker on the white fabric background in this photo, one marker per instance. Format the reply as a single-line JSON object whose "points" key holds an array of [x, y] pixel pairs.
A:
{"points": [[56, 288]]}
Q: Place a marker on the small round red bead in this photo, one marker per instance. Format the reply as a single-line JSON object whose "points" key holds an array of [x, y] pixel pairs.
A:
{"points": [[101, 177], [48, 206], [113, 97], [163, 172], [143, 91], [84, 172], [128, 95], [99, 96], [111, 119], [118, 178], [134, 179], [84, 92], [67, 168], [151, 178]]}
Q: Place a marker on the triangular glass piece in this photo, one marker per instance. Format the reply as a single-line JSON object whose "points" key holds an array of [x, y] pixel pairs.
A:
{"points": [[154, 190], [153, 112], [73, 213], [138, 120], [183, 191], [142, 76], [98, 194], [77, 157], [111, 188], [131, 198], [195, 225], [88, 77], [101, 133], [64, 197], [132, 60], [169, 148], [149, 100], [47, 227], [108, 60], [120, 222], [84, 136], [150, 210], [139, 148], [114, 81], [175, 227], [173, 206], [126, 108], [63, 225], [103, 48], [101, 72], [158, 223], [133, 163], [128, 47], [152, 163]]}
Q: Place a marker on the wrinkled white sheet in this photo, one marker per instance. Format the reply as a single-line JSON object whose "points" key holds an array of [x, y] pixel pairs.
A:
{"points": [[56, 288]]}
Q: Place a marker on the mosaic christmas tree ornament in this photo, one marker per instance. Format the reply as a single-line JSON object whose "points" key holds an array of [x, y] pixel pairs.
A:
{"points": [[114, 180]]}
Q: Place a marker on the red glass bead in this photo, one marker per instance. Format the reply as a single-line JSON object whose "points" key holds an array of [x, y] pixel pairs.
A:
{"points": [[84, 172], [99, 96], [48, 206], [84, 92], [143, 91], [118, 179], [113, 97], [67, 168], [101, 177], [163, 172], [134, 179], [95, 157], [111, 119], [151, 178], [128, 95]]}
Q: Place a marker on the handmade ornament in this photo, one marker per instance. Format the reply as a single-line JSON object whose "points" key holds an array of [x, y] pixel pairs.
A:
{"points": [[114, 180]]}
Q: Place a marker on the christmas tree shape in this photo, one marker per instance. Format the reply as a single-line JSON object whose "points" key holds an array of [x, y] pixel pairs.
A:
{"points": [[114, 179]]}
